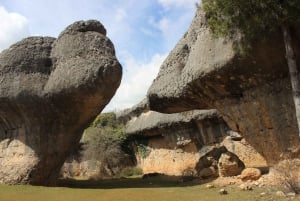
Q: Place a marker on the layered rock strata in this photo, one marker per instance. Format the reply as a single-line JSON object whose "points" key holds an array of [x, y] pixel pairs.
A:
{"points": [[171, 142], [50, 89]]}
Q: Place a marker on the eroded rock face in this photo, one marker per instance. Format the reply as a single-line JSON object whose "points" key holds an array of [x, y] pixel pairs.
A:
{"points": [[253, 93], [50, 89], [229, 165], [170, 143]]}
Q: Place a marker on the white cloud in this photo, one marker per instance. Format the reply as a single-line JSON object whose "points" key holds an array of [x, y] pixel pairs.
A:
{"points": [[137, 78], [177, 3], [120, 15], [14, 27]]}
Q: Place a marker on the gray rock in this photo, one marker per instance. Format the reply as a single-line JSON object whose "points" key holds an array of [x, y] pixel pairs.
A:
{"points": [[153, 123], [50, 89], [126, 115], [252, 92]]}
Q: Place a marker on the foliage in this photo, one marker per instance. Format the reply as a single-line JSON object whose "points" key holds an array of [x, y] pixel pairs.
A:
{"points": [[105, 120], [142, 148], [131, 171], [250, 18], [104, 141]]}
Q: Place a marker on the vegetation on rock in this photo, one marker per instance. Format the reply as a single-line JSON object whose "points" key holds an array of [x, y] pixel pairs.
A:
{"points": [[254, 20]]}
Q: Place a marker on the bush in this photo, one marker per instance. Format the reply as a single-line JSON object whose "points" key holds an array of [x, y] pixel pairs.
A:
{"points": [[104, 141], [289, 172], [131, 171]]}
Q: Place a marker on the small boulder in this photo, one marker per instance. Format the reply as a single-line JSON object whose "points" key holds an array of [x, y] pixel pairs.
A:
{"points": [[245, 187], [229, 165], [209, 186], [222, 191], [250, 174], [280, 194]]}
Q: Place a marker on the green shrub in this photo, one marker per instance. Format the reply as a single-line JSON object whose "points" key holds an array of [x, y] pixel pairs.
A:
{"points": [[131, 171], [142, 147], [105, 141]]}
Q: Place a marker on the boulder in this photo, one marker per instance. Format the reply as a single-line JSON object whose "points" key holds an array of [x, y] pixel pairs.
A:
{"points": [[251, 174], [50, 90], [245, 152], [252, 91], [230, 165]]}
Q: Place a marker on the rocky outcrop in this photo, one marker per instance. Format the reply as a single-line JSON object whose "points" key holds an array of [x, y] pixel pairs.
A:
{"points": [[50, 89], [182, 144], [185, 144], [170, 143], [251, 91]]}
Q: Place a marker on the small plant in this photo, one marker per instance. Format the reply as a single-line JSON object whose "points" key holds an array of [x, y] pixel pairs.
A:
{"points": [[105, 141], [289, 169], [131, 171], [143, 149]]}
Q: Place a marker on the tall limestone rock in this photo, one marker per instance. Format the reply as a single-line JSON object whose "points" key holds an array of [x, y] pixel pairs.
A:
{"points": [[252, 92], [50, 89]]}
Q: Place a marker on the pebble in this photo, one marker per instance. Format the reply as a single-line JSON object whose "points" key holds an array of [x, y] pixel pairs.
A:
{"points": [[245, 187], [262, 194], [209, 186], [291, 194], [223, 192], [280, 193]]}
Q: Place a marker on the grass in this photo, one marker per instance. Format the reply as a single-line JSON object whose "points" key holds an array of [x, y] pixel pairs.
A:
{"points": [[153, 189]]}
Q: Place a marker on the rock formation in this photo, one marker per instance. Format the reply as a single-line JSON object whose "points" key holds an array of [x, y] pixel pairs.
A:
{"points": [[252, 91], [184, 144], [229, 165], [171, 142], [50, 89]]}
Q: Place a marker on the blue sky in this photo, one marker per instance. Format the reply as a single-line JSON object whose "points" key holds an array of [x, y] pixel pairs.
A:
{"points": [[143, 32]]}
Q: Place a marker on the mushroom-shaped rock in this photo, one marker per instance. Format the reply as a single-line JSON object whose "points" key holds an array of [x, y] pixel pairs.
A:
{"points": [[50, 89], [252, 91]]}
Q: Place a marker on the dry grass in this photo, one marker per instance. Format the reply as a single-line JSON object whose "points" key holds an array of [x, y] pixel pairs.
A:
{"points": [[288, 173], [153, 189]]}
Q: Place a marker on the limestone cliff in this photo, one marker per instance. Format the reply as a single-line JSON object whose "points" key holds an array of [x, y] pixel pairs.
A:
{"points": [[50, 89], [252, 91], [184, 143]]}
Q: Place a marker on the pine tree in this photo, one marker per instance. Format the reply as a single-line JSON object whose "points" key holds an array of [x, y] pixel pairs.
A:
{"points": [[252, 18]]}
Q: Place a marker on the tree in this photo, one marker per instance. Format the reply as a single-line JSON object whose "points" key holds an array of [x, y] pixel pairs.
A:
{"points": [[105, 141], [252, 17]]}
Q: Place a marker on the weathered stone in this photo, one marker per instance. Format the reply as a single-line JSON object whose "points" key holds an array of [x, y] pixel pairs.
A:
{"points": [[251, 91], [127, 114], [250, 174], [229, 165], [208, 162], [172, 142], [210, 186], [222, 191], [245, 187], [50, 89], [245, 152], [280, 194]]}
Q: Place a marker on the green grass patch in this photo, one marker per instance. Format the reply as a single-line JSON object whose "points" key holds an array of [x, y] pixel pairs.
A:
{"points": [[152, 189]]}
